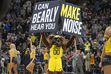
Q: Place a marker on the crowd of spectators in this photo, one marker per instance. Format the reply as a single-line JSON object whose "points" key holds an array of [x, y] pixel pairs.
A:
{"points": [[14, 27]]}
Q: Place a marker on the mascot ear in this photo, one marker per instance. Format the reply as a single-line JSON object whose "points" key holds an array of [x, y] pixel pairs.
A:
{"points": [[50, 37], [4, 6]]}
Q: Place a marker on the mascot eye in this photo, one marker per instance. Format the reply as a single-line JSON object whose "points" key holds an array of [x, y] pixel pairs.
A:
{"points": [[58, 39]]}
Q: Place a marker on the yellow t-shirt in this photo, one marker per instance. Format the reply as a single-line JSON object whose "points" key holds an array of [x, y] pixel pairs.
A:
{"points": [[87, 46], [56, 52], [26, 52], [46, 56], [108, 46], [13, 53], [32, 54], [33, 37]]}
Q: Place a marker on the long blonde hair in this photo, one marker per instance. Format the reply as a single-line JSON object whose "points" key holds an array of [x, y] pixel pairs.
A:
{"points": [[13, 51], [107, 33], [12, 46]]}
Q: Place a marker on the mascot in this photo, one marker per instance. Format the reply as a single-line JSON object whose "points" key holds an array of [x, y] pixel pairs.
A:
{"points": [[106, 53], [56, 44]]}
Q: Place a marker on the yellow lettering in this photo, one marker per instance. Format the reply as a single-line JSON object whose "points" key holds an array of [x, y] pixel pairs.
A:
{"points": [[69, 12], [74, 12], [78, 13], [64, 10]]}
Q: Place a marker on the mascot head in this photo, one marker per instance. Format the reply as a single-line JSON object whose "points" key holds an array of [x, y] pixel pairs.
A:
{"points": [[56, 40]]}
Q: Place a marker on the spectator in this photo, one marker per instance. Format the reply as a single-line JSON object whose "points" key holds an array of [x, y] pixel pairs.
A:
{"points": [[33, 38], [87, 62], [78, 61]]}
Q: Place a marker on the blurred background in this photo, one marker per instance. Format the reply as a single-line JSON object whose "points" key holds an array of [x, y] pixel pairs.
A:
{"points": [[14, 27]]}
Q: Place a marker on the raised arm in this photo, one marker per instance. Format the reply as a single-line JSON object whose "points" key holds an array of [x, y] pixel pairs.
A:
{"points": [[68, 44], [30, 42], [44, 40]]}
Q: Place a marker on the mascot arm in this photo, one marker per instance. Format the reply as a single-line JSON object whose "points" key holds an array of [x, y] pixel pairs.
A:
{"points": [[44, 40], [68, 44]]}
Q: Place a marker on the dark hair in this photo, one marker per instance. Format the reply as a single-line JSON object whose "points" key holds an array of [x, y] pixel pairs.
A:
{"points": [[79, 47]]}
